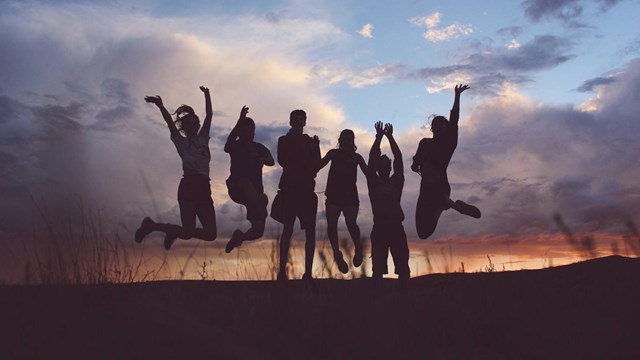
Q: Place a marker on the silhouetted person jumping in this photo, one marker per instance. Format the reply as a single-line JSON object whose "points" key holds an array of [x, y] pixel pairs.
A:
{"points": [[194, 192], [342, 195], [245, 182], [385, 193], [299, 156], [431, 162]]}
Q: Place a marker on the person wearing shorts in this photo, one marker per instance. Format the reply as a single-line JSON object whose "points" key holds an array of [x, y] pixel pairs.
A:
{"points": [[245, 181], [194, 191], [299, 156]]}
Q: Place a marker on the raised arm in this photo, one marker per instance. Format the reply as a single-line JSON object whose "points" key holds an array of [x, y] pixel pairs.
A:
{"points": [[233, 135], [398, 167], [206, 125], [157, 101], [454, 116], [374, 153]]}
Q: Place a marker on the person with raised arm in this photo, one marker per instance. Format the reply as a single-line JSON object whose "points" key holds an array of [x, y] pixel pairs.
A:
{"points": [[385, 193], [194, 192], [245, 181], [430, 162], [299, 156], [342, 195]]}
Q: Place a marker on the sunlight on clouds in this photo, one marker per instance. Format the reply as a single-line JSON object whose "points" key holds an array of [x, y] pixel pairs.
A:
{"points": [[448, 83], [514, 44], [366, 31], [589, 105], [435, 34], [426, 21]]}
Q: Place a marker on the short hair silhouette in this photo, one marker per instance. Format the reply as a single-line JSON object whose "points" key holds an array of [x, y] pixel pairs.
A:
{"points": [[297, 116]]}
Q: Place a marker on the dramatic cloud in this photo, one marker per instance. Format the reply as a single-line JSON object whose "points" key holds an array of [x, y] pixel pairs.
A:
{"points": [[74, 123], [366, 31], [523, 162], [491, 68], [435, 34]]}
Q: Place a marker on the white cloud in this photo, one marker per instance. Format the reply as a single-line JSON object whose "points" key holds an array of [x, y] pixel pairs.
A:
{"points": [[427, 21], [513, 44], [366, 31], [435, 34]]}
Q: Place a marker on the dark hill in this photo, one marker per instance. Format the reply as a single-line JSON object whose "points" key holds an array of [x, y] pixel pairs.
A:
{"points": [[588, 310]]}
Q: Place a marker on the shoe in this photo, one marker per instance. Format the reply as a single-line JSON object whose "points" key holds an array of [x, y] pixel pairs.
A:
{"points": [[469, 210], [144, 229], [169, 239], [342, 265], [234, 242], [357, 258]]}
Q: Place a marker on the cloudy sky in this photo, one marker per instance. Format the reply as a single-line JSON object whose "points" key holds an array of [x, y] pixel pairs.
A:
{"points": [[549, 125]]}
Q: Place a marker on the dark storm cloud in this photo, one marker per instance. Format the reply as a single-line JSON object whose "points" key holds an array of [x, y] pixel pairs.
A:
{"points": [[591, 84]]}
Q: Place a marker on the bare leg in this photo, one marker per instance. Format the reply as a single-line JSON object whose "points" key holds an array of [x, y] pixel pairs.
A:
{"points": [[309, 250], [464, 208], [285, 241], [350, 216], [333, 212]]}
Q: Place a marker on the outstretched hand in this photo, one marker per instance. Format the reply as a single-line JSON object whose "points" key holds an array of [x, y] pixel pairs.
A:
{"points": [[379, 128], [244, 111], [157, 100], [388, 130], [460, 88], [204, 89]]}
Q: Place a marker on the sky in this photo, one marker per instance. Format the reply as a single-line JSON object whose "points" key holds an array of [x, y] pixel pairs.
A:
{"points": [[548, 127]]}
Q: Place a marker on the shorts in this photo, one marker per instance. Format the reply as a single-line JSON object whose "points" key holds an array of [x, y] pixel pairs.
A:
{"points": [[243, 192], [300, 204], [385, 238], [343, 201], [195, 189]]}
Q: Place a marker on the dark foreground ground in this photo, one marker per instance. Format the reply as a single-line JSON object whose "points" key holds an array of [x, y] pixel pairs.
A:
{"points": [[586, 310]]}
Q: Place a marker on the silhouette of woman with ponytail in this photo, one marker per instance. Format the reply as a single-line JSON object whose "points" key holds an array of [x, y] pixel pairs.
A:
{"points": [[194, 191], [431, 162]]}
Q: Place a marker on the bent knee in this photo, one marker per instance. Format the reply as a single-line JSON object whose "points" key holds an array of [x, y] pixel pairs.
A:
{"points": [[210, 235]]}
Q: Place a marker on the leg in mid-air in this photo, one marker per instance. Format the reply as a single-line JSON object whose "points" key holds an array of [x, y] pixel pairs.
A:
{"points": [[464, 208], [333, 213], [350, 216], [256, 204], [188, 212], [428, 210]]}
